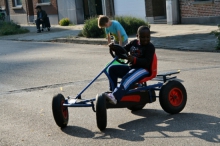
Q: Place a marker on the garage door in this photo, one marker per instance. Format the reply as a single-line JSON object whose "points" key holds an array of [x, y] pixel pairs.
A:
{"points": [[134, 8]]}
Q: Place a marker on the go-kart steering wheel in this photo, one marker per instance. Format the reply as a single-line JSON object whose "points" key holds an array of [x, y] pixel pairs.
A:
{"points": [[120, 52]]}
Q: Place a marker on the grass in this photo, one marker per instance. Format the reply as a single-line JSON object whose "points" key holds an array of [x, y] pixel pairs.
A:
{"points": [[10, 28]]}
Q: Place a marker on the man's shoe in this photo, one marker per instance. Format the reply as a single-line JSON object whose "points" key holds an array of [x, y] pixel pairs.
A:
{"points": [[110, 98], [38, 31]]}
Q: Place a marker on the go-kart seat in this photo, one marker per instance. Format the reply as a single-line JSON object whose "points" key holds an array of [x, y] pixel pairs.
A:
{"points": [[153, 71]]}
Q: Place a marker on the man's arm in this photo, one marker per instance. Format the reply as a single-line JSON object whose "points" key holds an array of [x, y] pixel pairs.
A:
{"points": [[148, 58], [44, 15]]}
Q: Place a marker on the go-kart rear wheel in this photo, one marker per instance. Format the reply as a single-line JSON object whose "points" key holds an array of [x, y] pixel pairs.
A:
{"points": [[60, 112], [173, 97], [141, 106], [101, 113]]}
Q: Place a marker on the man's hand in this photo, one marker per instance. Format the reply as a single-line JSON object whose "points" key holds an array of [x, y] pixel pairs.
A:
{"points": [[130, 58]]}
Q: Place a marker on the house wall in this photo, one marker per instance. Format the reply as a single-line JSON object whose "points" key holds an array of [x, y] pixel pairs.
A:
{"points": [[109, 7], [51, 10], [27, 13], [18, 14], [193, 12], [128, 9]]}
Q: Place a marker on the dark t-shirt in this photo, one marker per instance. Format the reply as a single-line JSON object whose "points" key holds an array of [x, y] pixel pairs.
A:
{"points": [[143, 55]]}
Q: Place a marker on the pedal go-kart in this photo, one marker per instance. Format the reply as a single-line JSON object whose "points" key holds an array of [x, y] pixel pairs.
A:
{"points": [[172, 95]]}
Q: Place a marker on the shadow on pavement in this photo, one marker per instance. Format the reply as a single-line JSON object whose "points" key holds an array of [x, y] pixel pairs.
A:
{"points": [[78, 132], [201, 126], [195, 41]]}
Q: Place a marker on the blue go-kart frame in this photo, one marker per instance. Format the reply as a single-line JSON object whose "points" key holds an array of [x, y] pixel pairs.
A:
{"points": [[172, 97]]}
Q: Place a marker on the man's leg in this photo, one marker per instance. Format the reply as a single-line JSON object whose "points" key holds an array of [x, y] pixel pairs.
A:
{"points": [[38, 25]]}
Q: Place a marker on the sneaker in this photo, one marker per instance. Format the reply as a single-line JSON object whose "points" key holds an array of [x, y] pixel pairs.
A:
{"points": [[110, 98]]}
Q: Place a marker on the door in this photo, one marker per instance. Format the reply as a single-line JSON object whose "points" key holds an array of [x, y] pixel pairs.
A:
{"points": [[72, 9]]}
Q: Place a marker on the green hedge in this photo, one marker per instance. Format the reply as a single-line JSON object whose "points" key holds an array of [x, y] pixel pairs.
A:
{"points": [[10, 28], [91, 29], [64, 22], [217, 34], [130, 24]]}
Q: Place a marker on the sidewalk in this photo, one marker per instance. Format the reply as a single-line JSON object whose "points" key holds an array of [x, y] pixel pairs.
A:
{"points": [[186, 37]]}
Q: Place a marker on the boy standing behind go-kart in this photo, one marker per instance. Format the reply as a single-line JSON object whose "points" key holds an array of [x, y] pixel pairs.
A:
{"points": [[115, 28]]}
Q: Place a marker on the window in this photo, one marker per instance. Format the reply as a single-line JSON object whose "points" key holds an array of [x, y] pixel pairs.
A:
{"points": [[18, 3], [203, 1], [45, 1]]}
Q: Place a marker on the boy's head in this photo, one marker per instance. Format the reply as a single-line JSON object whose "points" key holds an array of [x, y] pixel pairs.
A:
{"points": [[103, 21], [143, 34]]}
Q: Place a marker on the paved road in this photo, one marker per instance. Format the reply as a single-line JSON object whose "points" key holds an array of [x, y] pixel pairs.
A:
{"points": [[31, 73]]}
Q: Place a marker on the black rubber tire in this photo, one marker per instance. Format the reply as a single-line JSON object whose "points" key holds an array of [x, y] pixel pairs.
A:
{"points": [[141, 106], [60, 113], [101, 112], [173, 97]]}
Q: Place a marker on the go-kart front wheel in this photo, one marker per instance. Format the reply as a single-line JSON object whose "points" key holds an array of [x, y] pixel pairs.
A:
{"points": [[60, 112], [101, 113], [173, 97]]}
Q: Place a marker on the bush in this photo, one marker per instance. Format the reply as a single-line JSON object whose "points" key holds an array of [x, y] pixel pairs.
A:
{"points": [[10, 28], [130, 25], [91, 29], [217, 34], [64, 22]]}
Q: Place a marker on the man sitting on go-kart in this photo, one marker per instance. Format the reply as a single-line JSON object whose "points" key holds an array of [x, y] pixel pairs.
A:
{"points": [[140, 59]]}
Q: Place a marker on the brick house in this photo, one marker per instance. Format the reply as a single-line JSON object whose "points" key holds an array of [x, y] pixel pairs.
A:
{"points": [[200, 11], [23, 11], [155, 11]]}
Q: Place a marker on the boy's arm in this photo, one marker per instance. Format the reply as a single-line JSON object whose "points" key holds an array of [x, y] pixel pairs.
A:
{"points": [[109, 38], [147, 60], [129, 45], [119, 38]]}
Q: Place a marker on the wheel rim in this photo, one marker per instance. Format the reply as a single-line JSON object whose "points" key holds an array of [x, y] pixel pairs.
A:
{"points": [[175, 97], [64, 110]]}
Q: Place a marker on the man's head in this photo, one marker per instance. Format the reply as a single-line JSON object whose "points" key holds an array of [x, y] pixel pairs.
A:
{"points": [[38, 8], [143, 34], [103, 21]]}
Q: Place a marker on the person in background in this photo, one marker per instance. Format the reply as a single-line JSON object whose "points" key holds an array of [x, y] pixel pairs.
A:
{"points": [[115, 28], [41, 18]]}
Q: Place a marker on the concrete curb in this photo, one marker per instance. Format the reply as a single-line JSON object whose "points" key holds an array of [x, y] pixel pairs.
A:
{"points": [[104, 42], [80, 41]]}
